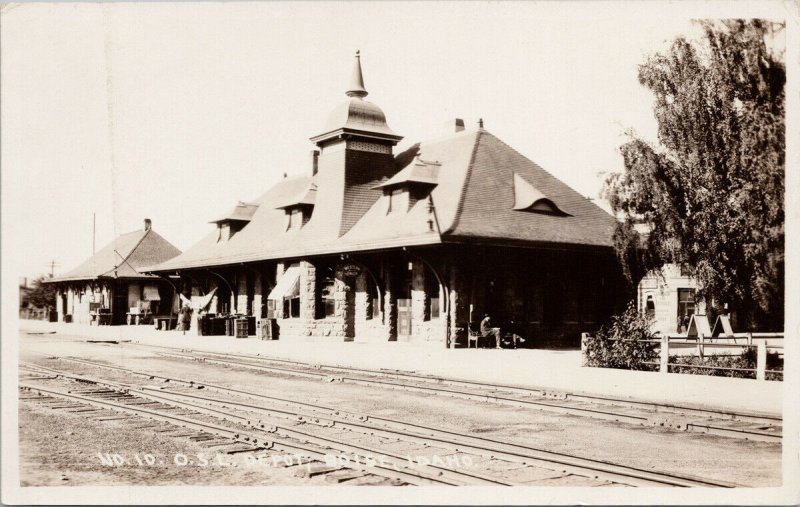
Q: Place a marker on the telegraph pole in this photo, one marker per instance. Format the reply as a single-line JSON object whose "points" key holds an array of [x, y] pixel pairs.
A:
{"points": [[52, 265]]}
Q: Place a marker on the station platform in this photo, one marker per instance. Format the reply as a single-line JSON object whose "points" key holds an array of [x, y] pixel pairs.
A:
{"points": [[558, 370]]}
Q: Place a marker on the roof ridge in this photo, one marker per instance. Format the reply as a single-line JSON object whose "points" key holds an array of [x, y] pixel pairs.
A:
{"points": [[125, 259], [465, 185]]}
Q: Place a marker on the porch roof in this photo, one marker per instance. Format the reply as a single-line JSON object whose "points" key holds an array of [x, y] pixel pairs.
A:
{"points": [[123, 258]]}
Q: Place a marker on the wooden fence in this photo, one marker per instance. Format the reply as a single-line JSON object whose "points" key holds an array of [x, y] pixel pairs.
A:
{"points": [[700, 346]]}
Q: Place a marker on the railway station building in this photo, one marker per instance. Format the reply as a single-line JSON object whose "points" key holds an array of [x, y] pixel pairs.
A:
{"points": [[109, 288], [416, 245]]}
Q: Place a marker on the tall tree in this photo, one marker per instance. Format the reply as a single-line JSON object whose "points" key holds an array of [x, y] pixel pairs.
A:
{"points": [[43, 294], [710, 195]]}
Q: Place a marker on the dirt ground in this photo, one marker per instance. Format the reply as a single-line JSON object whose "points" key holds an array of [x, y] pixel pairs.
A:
{"points": [[48, 449]]}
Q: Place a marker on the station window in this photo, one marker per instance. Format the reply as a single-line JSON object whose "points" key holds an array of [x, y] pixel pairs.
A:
{"points": [[685, 302], [295, 219], [291, 307], [432, 292], [396, 198], [327, 294]]}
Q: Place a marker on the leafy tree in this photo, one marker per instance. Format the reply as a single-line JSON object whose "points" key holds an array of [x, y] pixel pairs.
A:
{"points": [[43, 294], [710, 196]]}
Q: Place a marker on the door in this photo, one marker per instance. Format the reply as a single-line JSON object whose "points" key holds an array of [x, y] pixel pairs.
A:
{"points": [[119, 303], [685, 308], [404, 318]]}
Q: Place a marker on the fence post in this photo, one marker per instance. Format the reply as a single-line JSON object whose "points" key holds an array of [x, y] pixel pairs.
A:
{"points": [[584, 337], [761, 361], [749, 338], [664, 354], [700, 339]]}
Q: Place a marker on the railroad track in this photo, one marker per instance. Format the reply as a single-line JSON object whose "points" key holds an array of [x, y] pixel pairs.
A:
{"points": [[318, 432], [749, 426]]}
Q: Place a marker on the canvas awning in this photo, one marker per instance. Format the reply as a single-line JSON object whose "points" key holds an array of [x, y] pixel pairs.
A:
{"points": [[151, 293], [202, 303], [288, 286]]}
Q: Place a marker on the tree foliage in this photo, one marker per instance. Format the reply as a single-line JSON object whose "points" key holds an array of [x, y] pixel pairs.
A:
{"points": [[711, 194], [43, 294]]}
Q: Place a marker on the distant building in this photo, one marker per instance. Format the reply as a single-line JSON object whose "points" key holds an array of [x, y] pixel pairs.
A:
{"points": [[111, 283], [668, 297], [415, 246]]}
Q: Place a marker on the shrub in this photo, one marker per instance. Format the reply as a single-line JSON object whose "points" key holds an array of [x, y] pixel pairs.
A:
{"points": [[621, 344], [746, 360]]}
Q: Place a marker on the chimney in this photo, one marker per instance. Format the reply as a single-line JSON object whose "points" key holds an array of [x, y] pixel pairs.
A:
{"points": [[147, 224], [314, 162], [455, 125]]}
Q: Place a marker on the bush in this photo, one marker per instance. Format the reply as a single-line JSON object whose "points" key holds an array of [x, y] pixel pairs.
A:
{"points": [[746, 360], [622, 344]]}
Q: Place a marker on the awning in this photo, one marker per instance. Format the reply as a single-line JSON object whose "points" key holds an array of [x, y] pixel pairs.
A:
{"points": [[151, 293], [288, 286], [204, 301]]}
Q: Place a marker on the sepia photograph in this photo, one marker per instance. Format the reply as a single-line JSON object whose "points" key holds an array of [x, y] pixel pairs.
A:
{"points": [[399, 252]]}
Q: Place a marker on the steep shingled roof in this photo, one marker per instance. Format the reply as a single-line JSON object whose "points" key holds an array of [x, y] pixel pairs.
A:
{"points": [[124, 257], [473, 200], [486, 210]]}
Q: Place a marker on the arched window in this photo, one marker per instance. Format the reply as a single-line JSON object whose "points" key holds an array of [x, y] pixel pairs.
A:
{"points": [[650, 308], [432, 294]]}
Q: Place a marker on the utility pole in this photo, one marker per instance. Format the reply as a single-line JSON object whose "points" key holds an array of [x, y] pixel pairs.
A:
{"points": [[52, 265], [94, 230]]}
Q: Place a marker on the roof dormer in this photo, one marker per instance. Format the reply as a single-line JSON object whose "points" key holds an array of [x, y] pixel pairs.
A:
{"points": [[299, 208], [412, 184], [528, 198], [235, 220]]}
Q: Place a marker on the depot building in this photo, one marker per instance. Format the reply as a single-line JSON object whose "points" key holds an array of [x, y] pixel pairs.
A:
{"points": [[417, 245]]}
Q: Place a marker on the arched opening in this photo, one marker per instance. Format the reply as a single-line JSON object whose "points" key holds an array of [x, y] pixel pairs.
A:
{"points": [[650, 308]]}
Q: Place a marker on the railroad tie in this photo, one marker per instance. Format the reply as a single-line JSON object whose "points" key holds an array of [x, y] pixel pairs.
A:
{"points": [[314, 470]]}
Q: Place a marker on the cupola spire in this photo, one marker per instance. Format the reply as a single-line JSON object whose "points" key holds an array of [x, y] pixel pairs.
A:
{"points": [[357, 81]]}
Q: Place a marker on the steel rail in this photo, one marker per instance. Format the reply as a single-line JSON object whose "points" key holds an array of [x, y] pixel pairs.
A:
{"points": [[457, 475], [693, 426], [237, 435], [504, 450], [578, 465], [666, 407], [690, 425]]}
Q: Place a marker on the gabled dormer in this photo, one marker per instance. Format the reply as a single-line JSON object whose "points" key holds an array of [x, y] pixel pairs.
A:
{"points": [[299, 208], [234, 221], [412, 184], [528, 198]]}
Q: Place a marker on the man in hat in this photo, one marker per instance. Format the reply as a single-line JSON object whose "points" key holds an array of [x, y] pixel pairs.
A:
{"points": [[487, 330]]}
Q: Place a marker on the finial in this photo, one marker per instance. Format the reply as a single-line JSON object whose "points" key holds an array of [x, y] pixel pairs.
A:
{"points": [[357, 81], [480, 123]]}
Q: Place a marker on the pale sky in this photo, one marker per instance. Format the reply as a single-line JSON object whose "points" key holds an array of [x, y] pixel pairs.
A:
{"points": [[175, 111]]}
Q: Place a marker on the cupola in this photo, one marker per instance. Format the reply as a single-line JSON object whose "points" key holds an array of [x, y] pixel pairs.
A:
{"points": [[356, 119]]}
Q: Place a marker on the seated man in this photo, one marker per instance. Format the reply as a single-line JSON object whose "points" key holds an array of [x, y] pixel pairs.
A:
{"points": [[487, 330]]}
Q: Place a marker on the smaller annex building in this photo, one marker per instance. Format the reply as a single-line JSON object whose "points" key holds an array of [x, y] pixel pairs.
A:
{"points": [[373, 245], [667, 296], [109, 288]]}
